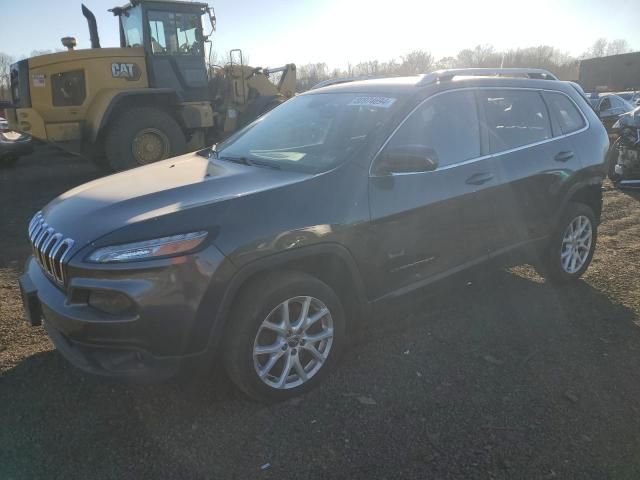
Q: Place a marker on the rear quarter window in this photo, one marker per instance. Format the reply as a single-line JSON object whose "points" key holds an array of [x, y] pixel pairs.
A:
{"points": [[565, 111], [515, 118]]}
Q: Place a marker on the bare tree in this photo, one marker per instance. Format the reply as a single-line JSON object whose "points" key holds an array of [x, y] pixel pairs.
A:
{"points": [[446, 63], [563, 65], [310, 74], [418, 61], [5, 79], [480, 56], [618, 46], [598, 49]]}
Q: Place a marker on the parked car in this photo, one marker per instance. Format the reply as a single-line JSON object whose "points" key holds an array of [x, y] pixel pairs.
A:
{"points": [[266, 253], [13, 145], [610, 108], [631, 97]]}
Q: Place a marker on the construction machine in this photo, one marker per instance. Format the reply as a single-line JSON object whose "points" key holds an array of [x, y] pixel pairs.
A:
{"points": [[153, 98]]}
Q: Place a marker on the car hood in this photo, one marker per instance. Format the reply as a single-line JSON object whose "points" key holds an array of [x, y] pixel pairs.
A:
{"points": [[97, 208]]}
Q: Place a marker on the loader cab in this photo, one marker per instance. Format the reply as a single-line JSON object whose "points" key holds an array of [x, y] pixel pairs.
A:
{"points": [[173, 40]]}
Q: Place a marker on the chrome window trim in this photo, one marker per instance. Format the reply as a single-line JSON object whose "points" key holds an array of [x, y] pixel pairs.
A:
{"points": [[483, 157]]}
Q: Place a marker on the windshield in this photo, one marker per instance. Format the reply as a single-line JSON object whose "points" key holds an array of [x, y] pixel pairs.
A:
{"points": [[132, 27], [311, 133]]}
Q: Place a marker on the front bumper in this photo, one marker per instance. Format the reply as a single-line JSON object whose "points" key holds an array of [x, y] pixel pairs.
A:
{"points": [[158, 339]]}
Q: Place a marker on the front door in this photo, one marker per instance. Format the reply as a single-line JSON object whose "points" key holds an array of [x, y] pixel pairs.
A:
{"points": [[177, 57], [426, 225]]}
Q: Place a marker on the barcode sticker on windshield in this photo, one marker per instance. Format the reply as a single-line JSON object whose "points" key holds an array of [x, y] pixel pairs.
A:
{"points": [[379, 102]]}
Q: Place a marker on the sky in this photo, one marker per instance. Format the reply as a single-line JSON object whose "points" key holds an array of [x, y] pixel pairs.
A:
{"points": [[275, 32]]}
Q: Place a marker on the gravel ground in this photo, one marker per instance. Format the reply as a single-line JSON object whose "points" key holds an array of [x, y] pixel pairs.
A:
{"points": [[498, 375]]}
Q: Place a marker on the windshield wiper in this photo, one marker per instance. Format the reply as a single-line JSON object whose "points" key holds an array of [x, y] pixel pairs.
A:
{"points": [[246, 161], [241, 160]]}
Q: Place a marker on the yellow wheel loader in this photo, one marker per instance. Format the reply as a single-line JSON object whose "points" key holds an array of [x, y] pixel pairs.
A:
{"points": [[152, 98]]}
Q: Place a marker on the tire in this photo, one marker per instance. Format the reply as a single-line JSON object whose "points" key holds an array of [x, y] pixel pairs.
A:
{"points": [[164, 135], [263, 300], [612, 159], [555, 266]]}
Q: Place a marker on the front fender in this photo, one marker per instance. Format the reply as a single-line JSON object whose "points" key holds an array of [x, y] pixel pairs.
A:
{"points": [[224, 288]]}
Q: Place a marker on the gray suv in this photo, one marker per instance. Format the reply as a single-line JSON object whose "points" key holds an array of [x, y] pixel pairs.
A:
{"points": [[265, 252]]}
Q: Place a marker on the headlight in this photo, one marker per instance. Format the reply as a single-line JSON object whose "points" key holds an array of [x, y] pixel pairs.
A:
{"points": [[158, 247]]}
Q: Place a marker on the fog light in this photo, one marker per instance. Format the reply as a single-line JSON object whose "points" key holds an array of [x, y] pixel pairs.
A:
{"points": [[114, 303]]}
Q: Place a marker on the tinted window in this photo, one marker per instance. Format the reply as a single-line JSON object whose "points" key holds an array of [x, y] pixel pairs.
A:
{"points": [[565, 111], [132, 27], [515, 118], [447, 124], [174, 33], [605, 104], [68, 88]]}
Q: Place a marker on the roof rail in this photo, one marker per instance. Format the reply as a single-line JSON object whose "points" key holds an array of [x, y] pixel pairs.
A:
{"points": [[337, 80], [446, 75]]}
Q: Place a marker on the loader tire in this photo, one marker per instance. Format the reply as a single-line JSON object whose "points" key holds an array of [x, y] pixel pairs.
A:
{"points": [[141, 136]]}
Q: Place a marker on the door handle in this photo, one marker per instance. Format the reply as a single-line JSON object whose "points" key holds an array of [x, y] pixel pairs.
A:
{"points": [[479, 178], [563, 156]]}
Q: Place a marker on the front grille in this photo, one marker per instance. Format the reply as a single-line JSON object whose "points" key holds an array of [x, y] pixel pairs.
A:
{"points": [[50, 248]]}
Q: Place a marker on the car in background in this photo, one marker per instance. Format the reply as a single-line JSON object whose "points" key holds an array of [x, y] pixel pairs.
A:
{"points": [[13, 145], [631, 97], [609, 107]]}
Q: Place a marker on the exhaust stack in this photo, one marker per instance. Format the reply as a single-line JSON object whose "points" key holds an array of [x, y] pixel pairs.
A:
{"points": [[93, 26]]}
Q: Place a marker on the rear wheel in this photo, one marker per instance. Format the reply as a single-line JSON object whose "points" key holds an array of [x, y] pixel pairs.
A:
{"points": [[287, 332], [142, 136], [572, 245]]}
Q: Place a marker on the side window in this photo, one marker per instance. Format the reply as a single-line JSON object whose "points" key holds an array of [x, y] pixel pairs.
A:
{"points": [[160, 30], [174, 33], [565, 111], [447, 124], [132, 27], [605, 104], [515, 118], [188, 29]]}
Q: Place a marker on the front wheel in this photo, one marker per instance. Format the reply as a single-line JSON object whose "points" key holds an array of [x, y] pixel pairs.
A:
{"points": [[287, 332], [141, 136], [571, 247]]}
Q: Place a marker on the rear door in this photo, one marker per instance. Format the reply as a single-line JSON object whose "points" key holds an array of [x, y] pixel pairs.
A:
{"points": [[429, 224], [535, 160]]}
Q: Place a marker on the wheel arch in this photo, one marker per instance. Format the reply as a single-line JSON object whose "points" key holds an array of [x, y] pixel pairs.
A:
{"points": [[333, 264], [588, 193], [106, 107]]}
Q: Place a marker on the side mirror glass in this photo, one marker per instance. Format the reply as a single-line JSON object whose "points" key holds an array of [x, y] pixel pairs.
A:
{"points": [[406, 159]]}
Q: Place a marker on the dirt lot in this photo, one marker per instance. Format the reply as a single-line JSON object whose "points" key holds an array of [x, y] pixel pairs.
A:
{"points": [[503, 377]]}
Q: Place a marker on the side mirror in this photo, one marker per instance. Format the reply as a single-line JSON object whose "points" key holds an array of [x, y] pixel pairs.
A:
{"points": [[212, 17], [406, 159]]}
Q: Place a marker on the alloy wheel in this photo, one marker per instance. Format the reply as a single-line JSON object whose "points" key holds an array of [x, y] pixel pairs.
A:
{"points": [[576, 244], [293, 342]]}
